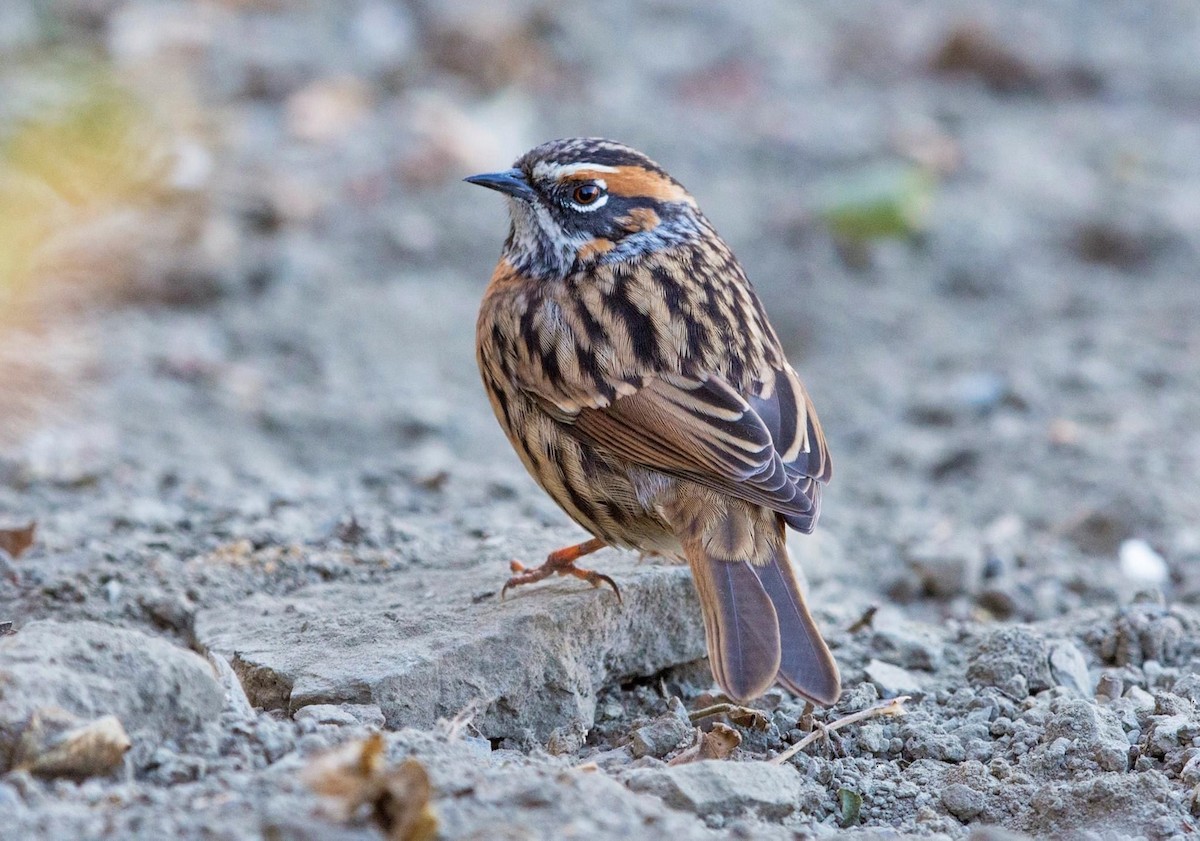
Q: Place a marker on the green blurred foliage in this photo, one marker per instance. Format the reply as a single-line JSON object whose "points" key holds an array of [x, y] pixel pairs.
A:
{"points": [[881, 201], [82, 145]]}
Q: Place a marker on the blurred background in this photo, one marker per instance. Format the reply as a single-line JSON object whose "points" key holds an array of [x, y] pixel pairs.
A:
{"points": [[239, 274]]}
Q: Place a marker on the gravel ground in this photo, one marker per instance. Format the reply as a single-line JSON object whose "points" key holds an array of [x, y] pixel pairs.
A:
{"points": [[273, 509]]}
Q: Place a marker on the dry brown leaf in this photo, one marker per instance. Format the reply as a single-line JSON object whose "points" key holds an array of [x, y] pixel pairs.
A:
{"points": [[405, 813], [55, 744], [718, 743], [17, 541], [356, 776]]}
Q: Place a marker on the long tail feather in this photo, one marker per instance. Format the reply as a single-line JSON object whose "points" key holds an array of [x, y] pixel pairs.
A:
{"points": [[739, 623], [806, 667]]}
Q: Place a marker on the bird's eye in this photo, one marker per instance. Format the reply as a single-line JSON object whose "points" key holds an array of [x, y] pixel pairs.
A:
{"points": [[586, 193]]}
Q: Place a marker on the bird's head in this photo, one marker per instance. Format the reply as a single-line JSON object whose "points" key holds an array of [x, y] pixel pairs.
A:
{"points": [[581, 201]]}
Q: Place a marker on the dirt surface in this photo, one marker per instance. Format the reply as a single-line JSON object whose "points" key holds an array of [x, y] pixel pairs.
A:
{"points": [[262, 467]]}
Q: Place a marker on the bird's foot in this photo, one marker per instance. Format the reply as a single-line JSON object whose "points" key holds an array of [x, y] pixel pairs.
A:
{"points": [[561, 562]]}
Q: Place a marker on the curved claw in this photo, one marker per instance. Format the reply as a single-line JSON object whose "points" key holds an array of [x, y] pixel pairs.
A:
{"points": [[597, 578], [561, 562]]}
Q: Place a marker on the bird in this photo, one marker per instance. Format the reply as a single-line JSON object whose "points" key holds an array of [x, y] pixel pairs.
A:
{"points": [[634, 370]]}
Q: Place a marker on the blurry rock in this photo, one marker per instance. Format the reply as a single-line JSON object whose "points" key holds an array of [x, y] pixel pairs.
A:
{"points": [[16, 541], [962, 801], [325, 714], [910, 646], [384, 32], [421, 649], [143, 32], [236, 701], [919, 743], [1141, 564], [91, 670], [1069, 669], [19, 25], [1004, 537], [413, 232], [891, 680], [997, 833], [328, 110], [664, 734], [1108, 687], [817, 557], [730, 789], [1141, 700], [947, 564], [59, 744], [492, 45], [954, 462], [1121, 245], [1188, 686], [449, 139], [1169, 732], [1094, 733], [1016, 660], [1147, 631], [1120, 805], [1102, 530], [1064, 432], [972, 51]]}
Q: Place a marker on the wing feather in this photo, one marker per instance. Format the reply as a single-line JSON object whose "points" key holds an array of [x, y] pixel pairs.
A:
{"points": [[704, 431]]}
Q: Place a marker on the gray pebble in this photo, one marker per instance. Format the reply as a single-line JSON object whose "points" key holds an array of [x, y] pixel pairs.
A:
{"points": [[962, 801]]}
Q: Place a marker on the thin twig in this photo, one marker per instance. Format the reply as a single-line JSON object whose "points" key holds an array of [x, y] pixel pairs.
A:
{"points": [[864, 621], [740, 714], [455, 727], [894, 706]]}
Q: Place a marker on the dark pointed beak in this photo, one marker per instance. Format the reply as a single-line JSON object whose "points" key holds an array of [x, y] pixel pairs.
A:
{"points": [[511, 182]]}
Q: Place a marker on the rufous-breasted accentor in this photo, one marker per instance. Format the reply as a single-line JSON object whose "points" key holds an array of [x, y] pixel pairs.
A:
{"points": [[635, 372]]}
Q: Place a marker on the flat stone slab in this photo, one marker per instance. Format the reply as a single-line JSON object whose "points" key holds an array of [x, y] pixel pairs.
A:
{"points": [[424, 645]]}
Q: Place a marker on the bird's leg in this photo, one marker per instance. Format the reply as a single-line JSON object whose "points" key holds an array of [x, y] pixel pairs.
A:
{"points": [[562, 562]]}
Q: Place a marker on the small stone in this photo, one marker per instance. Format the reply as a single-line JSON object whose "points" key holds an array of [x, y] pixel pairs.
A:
{"points": [[997, 833], [962, 801], [664, 734], [384, 31], [892, 680], [1069, 669], [1171, 731], [1188, 686], [1108, 687], [1142, 700], [947, 567], [944, 747], [324, 714], [909, 647], [1088, 731], [873, 738], [1141, 564], [728, 789], [368, 715], [159, 691], [1190, 775], [328, 110], [1008, 653]]}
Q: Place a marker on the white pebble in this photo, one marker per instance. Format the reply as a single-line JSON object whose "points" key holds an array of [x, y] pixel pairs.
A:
{"points": [[1140, 562]]}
